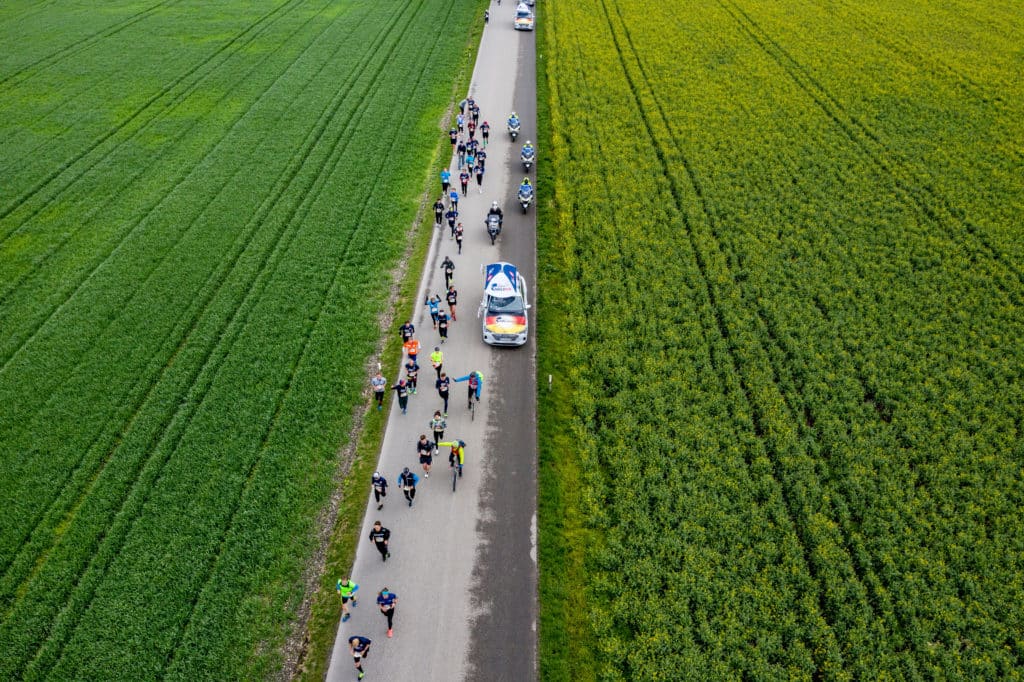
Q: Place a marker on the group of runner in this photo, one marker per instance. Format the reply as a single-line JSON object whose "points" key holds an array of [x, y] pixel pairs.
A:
{"points": [[469, 154]]}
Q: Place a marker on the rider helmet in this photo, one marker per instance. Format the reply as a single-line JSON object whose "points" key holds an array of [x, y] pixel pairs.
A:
{"points": [[494, 204]]}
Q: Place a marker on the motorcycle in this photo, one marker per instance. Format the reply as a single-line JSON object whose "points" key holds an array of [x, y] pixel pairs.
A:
{"points": [[513, 130], [525, 198], [493, 223], [527, 159]]}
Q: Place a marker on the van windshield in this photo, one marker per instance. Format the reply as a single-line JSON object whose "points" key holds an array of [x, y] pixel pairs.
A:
{"points": [[522, 12], [505, 305]]}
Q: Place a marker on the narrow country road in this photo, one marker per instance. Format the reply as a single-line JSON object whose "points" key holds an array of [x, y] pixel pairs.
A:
{"points": [[463, 564]]}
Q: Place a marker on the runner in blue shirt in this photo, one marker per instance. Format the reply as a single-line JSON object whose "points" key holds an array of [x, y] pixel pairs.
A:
{"points": [[407, 481], [433, 304], [476, 384], [387, 601], [360, 648]]}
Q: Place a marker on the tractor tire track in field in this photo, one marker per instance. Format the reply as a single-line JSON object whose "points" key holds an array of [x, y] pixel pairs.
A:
{"points": [[868, 577], [260, 215], [12, 80], [849, 125], [777, 354], [360, 229], [179, 334], [582, 257], [144, 116], [793, 512], [935, 207], [196, 399], [8, 354], [780, 357], [31, 9]]}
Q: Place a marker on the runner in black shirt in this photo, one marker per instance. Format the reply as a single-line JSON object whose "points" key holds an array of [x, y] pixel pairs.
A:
{"points": [[380, 537], [403, 394], [453, 297], [439, 210], [380, 489], [448, 265], [407, 331], [451, 215], [458, 236], [443, 384], [412, 373], [442, 325], [425, 450]]}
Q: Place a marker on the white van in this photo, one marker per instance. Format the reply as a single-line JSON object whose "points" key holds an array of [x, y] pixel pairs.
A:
{"points": [[504, 306]]}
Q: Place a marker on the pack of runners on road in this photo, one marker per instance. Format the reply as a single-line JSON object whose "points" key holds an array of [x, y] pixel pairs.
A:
{"points": [[470, 138]]}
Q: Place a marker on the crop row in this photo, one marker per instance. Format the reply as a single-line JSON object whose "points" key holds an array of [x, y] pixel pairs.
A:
{"points": [[797, 462], [180, 368]]}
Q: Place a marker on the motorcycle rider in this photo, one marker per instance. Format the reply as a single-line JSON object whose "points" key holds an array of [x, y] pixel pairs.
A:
{"points": [[513, 120], [525, 187], [495, 210], [527, 152]]}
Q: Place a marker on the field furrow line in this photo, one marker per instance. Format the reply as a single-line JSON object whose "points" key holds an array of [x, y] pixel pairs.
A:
{"points": [[152, 468], [182, 332], [869, 579], [797, 516], [774, 346], [216, 280], [32, 8], [139, 120], [26, 72], [300, 358], [9, 352], [931, 204], [723, 355]]}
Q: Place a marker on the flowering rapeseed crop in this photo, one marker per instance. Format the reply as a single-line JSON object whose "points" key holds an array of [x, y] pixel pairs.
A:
{"points": [[789, 310]]}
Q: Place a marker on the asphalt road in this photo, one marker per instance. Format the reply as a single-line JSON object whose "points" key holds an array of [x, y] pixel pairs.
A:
{"points": [[463, 564]]}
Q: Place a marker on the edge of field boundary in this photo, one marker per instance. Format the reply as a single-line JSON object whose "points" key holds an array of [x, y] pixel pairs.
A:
{"points": [[564, 641], [307, 652]]}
